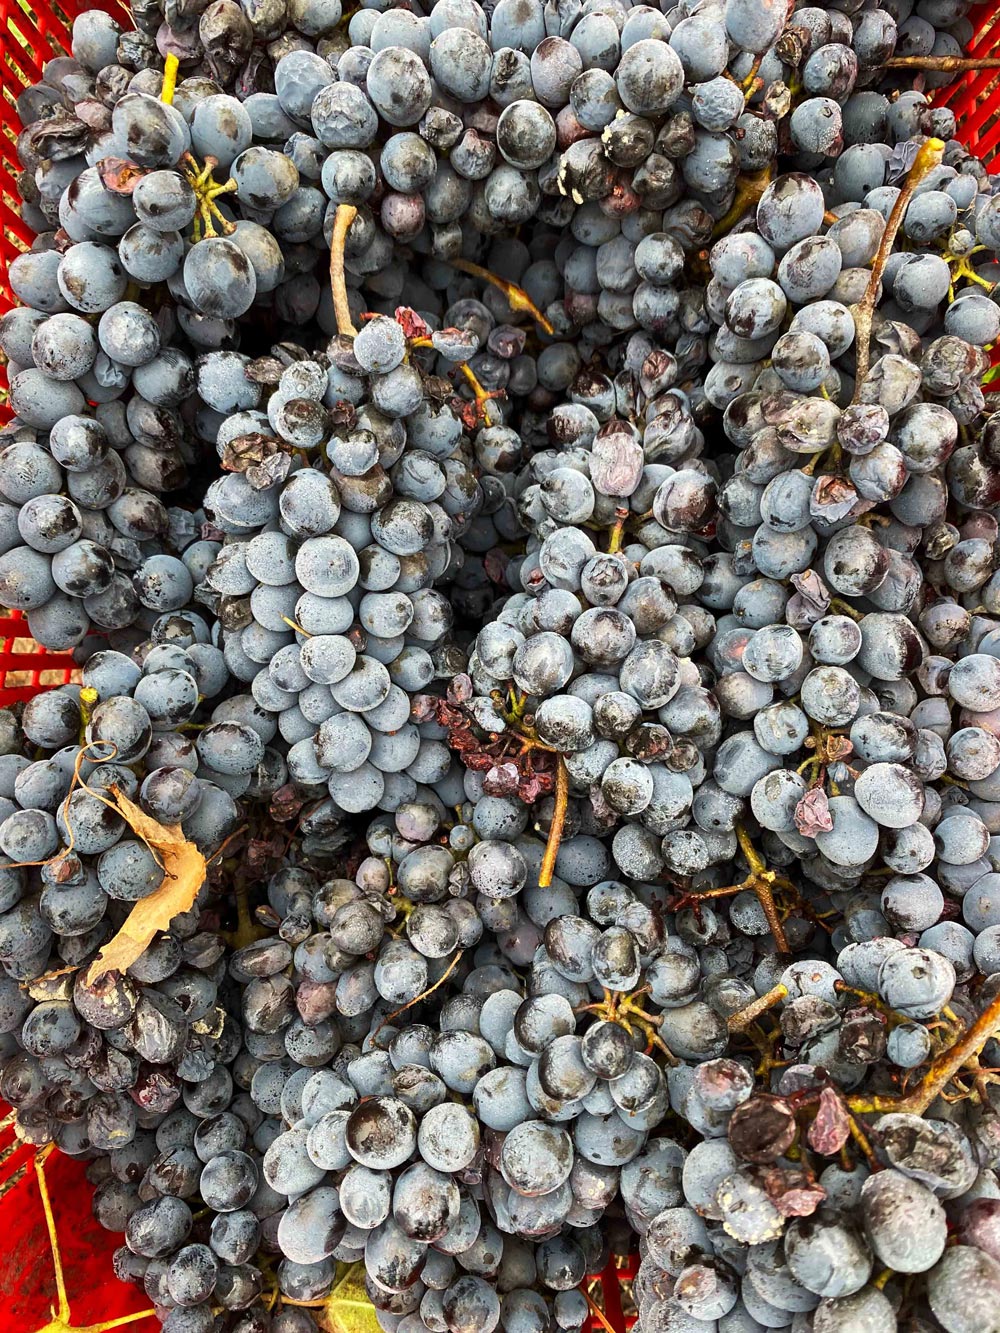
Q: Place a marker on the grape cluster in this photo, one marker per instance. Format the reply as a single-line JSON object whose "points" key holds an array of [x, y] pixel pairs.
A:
{"points": [[324, 588], [90, 1052], [84, 551]]}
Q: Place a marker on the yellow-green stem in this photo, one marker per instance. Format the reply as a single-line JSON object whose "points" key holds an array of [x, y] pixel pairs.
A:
{"points": [[517, 297], [170, 67]]}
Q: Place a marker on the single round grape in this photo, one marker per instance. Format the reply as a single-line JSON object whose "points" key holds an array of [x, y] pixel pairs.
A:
{"points": [[219, 278]]}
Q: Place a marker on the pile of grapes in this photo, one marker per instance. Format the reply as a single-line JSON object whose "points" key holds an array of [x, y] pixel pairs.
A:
{"points": [[519, 486]]}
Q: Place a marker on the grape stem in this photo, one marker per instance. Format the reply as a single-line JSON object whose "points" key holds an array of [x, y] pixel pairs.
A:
{"points": [[928, 157], [749, 189], [762, 883], [597, 1312], [293, 624], [246, 932], [207, 190], [842, 608], [742, 1019], [556, 826], [942, 1070], [345, 215], [624, 1010], [861, 1139], [618, 531], [517, 297], [961, 267], [482, 396], [88, 698], [170, 67], [749, 79], [75, 781], [944, 64], [423, 994], [60, 1321]]}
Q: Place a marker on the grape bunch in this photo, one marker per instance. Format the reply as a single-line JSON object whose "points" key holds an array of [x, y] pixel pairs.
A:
{"points": [[324, 587], [84, 551], [89, 1051]]}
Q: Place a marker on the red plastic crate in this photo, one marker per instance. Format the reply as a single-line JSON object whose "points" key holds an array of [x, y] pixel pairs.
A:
{"points": [[29, 1290], [29, 1287], [30, 658], [30, 35], [613, 1319], [975, 97]]}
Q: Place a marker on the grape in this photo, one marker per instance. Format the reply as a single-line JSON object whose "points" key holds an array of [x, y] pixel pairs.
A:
{"points": [[960, 1285], [915, 1244], [219, 278], [157, 1228], [33, 278], [868, 1304], [536, 1158], [64, 347], [526, 134], [398, 85], [91, 279], [41, 401]]}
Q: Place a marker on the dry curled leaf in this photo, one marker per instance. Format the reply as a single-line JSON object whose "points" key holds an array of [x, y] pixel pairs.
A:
{"points": [[348, 1308], [285, 804], [831, 1129], [812, 814], [245, 451], [183, 875], [271, 472], [343, 415], [119, 174], [793, 1193], [412, 324]]}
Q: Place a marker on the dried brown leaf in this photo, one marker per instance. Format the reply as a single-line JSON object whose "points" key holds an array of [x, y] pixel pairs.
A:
{"points": [[119, 174], [831, 1129], [412, 324], [271, 472], [793, 1193], [812, 814], [246, 451], [285, 804], [183, 875]]}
